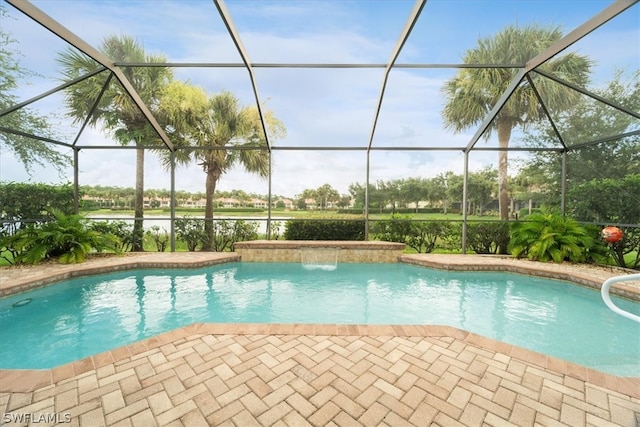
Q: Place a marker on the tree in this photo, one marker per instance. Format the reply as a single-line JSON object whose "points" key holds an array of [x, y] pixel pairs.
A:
{"points": [[301, 199], [29, 151], [440, 189], [344, 201], [116, 112], [378, 196], [614, 159], [480, 188], [392, 193], [613, 201], [214, 124], [473, 92], [415, 190], [325, 194], [357, 192]]}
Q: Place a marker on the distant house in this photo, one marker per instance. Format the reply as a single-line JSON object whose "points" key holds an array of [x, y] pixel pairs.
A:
{"points": [[311, 203], [193, 203], [229, 202], [259, 203], [288, 203], [156, 202], [98, 200]]}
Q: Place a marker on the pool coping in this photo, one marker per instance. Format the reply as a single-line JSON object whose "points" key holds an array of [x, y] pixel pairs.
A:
{"points": [[29, 380], [17, 279], [32, 277], [591, 276]]}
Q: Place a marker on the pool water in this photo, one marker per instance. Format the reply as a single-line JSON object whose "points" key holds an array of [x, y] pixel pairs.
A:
{"points": [[85, 316]]}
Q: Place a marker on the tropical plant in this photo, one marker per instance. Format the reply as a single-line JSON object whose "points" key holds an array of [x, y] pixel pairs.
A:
{"points": [[214, 124], [66, 237], [553, 237], [473, 92], [116, 111]]}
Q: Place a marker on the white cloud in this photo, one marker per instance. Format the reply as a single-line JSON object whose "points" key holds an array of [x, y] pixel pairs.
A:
{"points": [[320, 107]]}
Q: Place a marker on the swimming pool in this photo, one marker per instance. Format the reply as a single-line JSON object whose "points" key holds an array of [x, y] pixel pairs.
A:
{"points": [[85, 316]]}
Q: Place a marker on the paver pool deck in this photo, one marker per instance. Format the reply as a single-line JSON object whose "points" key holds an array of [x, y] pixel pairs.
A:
{"points": [[319, 375]]}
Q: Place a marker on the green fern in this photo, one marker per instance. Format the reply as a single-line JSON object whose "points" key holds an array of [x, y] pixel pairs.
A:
{"points": [[553, 237], [67, 238]]}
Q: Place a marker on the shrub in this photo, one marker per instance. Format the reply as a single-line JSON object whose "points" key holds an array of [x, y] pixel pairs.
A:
{"points": [[488, 237], [161, 239], [630, 244], [243, 231], [27, 201], [324, 230], [225, 233], [191, 231], [397, 229], [524, 212], [274, 229], [552, 237], [121, 229], [67, 237], [425, 234], [419, 235], [452, 236]]}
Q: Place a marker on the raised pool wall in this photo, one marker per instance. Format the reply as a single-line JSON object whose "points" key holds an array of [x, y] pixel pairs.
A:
{"points": [[326, 251]]}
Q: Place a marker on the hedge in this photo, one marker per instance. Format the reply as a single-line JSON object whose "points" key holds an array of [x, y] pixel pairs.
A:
{"points": [[324, 230]]}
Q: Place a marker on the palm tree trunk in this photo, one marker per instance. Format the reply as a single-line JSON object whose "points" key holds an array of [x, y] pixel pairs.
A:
{"points": [[504, 134], [210, 188], [138, 231]]}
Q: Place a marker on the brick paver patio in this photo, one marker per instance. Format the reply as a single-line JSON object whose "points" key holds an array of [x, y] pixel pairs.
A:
{"points": [[319, 375]]}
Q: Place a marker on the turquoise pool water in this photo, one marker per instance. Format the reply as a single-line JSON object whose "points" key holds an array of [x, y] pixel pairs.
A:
{"points": [[84, 316]]}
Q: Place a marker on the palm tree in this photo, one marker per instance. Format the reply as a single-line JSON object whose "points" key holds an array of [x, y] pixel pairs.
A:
{"points": [[116, 112], [215, 123], [473, 92]]}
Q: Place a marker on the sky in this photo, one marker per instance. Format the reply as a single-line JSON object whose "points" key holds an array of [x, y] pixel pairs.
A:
{"points": [[320, 107]]}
